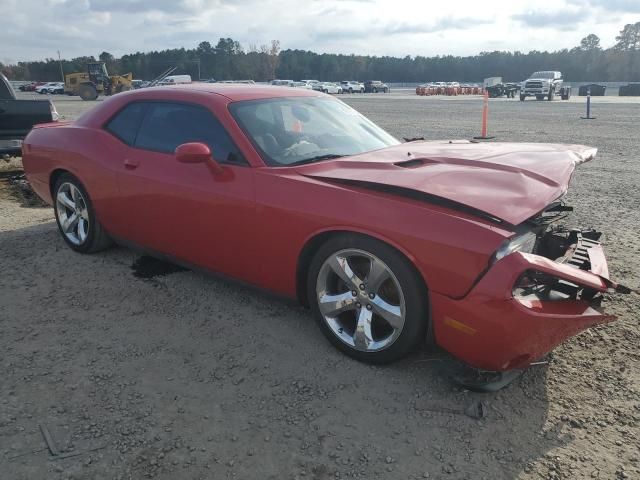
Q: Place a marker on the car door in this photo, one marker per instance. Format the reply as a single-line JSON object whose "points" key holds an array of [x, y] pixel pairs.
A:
{"points": [[188, 211]]}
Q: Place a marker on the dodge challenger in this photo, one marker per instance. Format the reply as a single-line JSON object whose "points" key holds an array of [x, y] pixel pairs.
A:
{"points": [[293, 191]]}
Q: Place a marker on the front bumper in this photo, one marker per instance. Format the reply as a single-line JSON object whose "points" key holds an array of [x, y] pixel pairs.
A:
{"points": [[530, 92], [492, 329]]}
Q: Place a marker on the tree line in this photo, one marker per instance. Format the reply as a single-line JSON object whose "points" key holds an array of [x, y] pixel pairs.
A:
{"points": [[228, 60]]}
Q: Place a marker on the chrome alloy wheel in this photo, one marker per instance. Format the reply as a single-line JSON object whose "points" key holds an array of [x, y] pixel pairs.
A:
{"points": [[72, 213], [361, 300]]}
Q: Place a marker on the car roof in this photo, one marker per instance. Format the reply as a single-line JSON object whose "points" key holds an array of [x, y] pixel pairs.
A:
{"points": [[243, 91]]}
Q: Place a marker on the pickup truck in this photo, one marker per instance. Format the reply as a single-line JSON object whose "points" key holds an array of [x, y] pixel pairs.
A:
{"points": [[545, 84], [18, 116]]}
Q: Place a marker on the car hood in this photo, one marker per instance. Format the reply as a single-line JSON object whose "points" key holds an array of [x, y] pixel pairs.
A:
{"points": [[507, 181]]}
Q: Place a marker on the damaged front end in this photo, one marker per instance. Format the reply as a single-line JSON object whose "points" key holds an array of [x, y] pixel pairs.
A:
{"points": [[576, 248], [543, 285]]}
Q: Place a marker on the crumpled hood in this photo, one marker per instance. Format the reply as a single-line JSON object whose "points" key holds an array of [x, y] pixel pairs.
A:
{"points": [[509, 181]]}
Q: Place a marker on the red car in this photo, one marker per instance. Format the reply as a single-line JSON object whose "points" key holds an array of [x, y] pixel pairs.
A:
{"points": [[30, 87], [294, 191]]}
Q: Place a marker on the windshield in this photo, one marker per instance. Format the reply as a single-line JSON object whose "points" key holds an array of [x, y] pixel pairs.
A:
{"points": [[542, 75], [299, 130]]}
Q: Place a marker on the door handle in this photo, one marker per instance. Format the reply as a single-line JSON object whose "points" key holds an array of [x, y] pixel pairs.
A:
{"points": [[131, 163]]}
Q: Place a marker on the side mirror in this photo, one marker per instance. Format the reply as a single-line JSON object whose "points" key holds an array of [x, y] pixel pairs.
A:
{"points": [[193, 153], [197, 152]]}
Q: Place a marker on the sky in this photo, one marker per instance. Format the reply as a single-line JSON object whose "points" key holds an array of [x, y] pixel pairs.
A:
{"points": [[37, 29]]}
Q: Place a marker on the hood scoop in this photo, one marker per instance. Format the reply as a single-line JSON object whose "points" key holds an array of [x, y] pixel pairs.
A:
{"points": [[412, 163]]}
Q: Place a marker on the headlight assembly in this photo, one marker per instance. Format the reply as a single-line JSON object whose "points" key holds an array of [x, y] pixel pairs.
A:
{"points": [[524, 242]]}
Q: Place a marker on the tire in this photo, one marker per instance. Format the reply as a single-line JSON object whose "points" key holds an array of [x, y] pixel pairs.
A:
{"points": [[403, 295], [539, 97], [362, 90], [350, 90], [522, 97], [87, 92], [88, 235], [375, 90], [551, 95], [325, 91]]}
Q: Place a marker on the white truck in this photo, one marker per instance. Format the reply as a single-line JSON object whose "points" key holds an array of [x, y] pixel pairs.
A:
{"points": [[545, 84]]}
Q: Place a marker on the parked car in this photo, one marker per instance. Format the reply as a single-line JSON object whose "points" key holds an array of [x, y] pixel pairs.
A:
{"points": [[57, 89], [50, 87], [44, 88], [298, 193], [176, 80], [375, 86], [305, 85], [282, 83], [29, 87], [18, 116], [349, 86], [327, 87]]}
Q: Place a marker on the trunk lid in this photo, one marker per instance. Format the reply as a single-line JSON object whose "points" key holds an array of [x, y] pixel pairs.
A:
{"points": [[508, 181]]}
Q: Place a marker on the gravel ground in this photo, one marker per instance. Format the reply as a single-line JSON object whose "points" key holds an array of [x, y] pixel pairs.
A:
{"points": [[188, 376]]}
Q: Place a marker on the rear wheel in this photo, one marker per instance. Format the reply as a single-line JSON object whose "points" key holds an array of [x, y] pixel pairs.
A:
{"points": [[367, 299], [522, 97], [375, 90], [539, 97], [76, 217], [87, 92]]}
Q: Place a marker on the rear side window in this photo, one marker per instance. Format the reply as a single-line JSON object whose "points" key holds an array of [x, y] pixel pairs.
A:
{"points": [[127, 121], [168, 125]]}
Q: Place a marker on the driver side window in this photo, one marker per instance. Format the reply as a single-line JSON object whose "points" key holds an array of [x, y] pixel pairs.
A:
{"points": [[167, 125]]}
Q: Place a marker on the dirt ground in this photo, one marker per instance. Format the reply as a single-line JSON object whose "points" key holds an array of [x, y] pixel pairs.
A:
{"points": [[187, 376]]}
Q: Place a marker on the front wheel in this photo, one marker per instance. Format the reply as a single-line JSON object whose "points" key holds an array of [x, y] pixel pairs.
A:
{"points": [[522, 97], [88, 92], [76, 217], [367, 299], [552, 95]]}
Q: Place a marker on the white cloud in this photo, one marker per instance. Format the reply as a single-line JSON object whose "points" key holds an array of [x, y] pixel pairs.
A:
{"points": [[36, 29]]}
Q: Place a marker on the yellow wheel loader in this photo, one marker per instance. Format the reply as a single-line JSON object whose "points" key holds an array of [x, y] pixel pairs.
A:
{"points": [[96, 81]]}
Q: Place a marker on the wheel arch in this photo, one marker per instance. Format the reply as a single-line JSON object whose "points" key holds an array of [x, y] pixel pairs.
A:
{"points": [[316, 240], [53, 178]]}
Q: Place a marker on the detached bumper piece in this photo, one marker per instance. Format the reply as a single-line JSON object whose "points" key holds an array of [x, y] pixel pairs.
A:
{"points": [[526, 304]]}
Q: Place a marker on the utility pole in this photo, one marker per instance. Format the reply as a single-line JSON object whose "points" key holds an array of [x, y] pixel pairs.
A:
{"points": [[198, 69], [60, 62]]}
